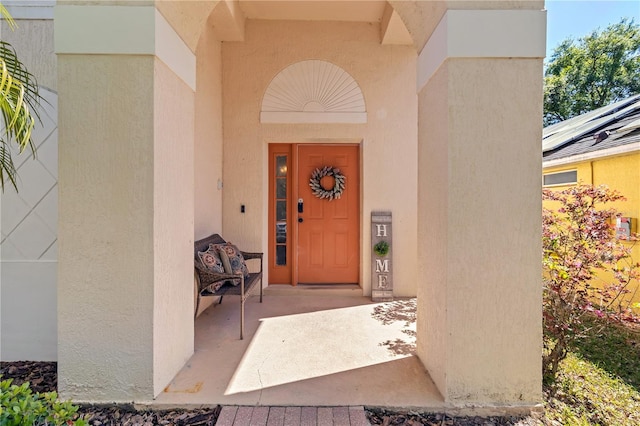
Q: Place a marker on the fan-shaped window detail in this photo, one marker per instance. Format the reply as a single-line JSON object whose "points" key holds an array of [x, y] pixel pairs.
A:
{"points": [[313, 92]]}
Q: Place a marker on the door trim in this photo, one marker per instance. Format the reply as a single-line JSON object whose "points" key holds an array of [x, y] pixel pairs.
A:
{"points": [[291, 149]]}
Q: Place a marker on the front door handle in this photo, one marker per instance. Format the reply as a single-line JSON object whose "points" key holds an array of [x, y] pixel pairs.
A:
{"points": [[300, 220]]}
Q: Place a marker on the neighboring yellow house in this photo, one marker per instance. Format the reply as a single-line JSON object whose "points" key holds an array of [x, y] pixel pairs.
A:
{"points": [[601, 147]]}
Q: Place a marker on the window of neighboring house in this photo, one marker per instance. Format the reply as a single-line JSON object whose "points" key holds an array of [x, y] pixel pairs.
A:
{"points": [[568, 177]]}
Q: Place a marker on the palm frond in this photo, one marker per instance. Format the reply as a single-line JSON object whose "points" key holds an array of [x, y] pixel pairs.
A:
{"points": [[16, 113], [19, 104], [7, 168], [20, 73], [7, 17]]}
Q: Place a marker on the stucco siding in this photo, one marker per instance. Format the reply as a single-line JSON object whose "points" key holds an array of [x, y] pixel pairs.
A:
{"points": [[28, 311], [433, 182], [482, 252], [187, 18], [208, 136], [106, 301], [494, 231], [29, 217], [172, 225], [623, 174], [33, 42], [386, 76]]}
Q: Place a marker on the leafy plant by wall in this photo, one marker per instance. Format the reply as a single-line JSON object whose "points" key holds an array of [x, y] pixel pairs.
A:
{"points": [[19, 406]]}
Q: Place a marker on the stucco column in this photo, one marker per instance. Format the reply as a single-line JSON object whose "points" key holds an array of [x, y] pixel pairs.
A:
{"points": [[479, 298], [126, 86]]}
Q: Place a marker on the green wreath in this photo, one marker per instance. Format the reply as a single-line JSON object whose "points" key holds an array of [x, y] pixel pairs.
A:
{"points": [[322, 192], [382, 248]]}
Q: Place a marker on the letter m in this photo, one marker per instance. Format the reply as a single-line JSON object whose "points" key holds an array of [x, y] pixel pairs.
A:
{"points": [[382, 265]]}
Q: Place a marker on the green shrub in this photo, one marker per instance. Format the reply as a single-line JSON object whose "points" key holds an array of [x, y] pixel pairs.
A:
{"points": [[19, 406]]}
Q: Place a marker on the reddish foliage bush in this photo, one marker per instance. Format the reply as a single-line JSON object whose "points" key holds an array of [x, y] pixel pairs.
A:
{"points": [[586, 269]]}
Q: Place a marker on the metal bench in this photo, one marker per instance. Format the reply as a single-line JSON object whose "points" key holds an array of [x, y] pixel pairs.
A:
{"points": [[205, 278]]}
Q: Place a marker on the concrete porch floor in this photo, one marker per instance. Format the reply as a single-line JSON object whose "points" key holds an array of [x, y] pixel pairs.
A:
{"points": [[305, 348]]}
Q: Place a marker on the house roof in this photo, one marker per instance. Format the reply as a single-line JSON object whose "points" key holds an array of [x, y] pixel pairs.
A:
{"points": [[608, 127]]}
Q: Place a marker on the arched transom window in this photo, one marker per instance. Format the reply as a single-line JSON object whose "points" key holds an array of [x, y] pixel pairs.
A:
{"points": [[313, 91]]}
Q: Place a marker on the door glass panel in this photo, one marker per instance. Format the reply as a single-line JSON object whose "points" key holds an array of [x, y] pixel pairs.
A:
{"points": [[281, 210], [281, 232], [281, 255], [281, 200], [281, 165], [281, 188]]}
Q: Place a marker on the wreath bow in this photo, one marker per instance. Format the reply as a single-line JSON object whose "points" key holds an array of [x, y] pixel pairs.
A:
{"points": [[317, 188]]}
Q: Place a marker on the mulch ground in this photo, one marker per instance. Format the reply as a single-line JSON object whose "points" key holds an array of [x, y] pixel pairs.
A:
{"points": [[379, 416], [43, 377]]}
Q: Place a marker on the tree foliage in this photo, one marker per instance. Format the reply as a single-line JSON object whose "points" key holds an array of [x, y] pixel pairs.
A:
{"points": [[598, 69], [586, 269], [19, 99]]}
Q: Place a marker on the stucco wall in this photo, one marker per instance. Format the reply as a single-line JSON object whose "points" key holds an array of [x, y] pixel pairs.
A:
{"points": [[188, 18], [422, 17], [127, 211], [623, 174], [208, 136], [173, 225], [386, 75], [106, 301], [33, 42], [208, 183], [432, 230], [481, 252], [125, 287], [618, 172], [28, 248]]}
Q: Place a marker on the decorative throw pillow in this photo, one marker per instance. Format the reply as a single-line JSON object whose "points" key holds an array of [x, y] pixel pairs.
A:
{"points": [[211, 260], [232, 260]]}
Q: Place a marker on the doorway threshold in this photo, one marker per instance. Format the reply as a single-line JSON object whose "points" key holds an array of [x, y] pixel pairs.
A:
{"points": [[314, 289]]}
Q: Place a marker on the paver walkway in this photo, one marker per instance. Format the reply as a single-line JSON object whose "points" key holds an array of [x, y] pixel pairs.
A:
{"points": [[292, 416]]}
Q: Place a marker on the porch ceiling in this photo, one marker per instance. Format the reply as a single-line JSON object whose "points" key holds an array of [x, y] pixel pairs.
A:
{"points": [[337, 10], [228, 16], [393, 30]]}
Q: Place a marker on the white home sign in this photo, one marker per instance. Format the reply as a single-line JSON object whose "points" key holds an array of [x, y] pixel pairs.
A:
{"points": [[381, 259]]}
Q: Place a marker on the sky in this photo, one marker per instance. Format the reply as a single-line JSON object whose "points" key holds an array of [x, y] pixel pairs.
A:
{"points": [[577, 18]]}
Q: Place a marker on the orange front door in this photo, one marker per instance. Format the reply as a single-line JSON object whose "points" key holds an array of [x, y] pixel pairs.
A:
{"points": [[313, 240], [328, 230]]}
